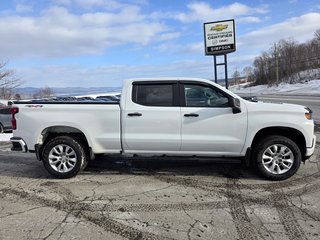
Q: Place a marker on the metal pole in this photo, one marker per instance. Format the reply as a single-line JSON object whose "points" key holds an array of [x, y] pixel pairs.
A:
{"points": [[215, 68], [226, 70]]}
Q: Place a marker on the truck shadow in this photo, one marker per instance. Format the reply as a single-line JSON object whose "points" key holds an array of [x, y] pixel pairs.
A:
{"points": [[172, 166], [26, 166]]}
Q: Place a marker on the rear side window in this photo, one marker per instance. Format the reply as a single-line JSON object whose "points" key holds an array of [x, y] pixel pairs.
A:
{"points": [[153, 94]]}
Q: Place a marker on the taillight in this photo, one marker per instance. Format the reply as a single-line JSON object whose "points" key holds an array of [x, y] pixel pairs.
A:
{"points": [[14, 111]]}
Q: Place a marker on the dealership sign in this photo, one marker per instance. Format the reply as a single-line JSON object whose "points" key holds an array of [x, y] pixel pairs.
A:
{"points": [[219, 37]]}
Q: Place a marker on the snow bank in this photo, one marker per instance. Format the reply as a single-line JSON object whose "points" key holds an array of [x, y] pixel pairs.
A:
{"points": [[308, 88], [5, 137]]}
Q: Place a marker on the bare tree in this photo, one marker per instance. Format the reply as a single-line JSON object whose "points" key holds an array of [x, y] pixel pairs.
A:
{"points": [[8, 81], [247, 71], [236, 77], [45, 92], [317, 35], [17, 96], [288, 61]]}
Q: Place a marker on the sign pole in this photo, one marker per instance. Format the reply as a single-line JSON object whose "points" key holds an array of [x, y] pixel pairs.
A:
{"points": [[226, 70], [215, 68], [225, 63]]}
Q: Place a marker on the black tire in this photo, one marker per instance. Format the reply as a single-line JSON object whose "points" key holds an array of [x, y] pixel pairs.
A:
{"points": [[1, 128], [85, 163], [64, 157], [283, 164], [88, 156]]}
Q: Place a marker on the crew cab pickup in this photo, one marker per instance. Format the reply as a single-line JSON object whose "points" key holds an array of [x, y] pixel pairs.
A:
{"points": [[167, 116]]}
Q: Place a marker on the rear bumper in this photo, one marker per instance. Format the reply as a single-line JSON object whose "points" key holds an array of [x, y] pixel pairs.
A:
{"points": [[18, 144]]}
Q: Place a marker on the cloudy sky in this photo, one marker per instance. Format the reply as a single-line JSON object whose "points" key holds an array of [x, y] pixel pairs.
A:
{"points": [[85, 43]]}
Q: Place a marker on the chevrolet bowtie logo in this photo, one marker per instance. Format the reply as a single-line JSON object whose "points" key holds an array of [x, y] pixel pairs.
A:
{"points": [[219, 27]]}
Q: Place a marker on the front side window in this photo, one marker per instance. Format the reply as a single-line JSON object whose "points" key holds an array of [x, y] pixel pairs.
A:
{"points": [[204, 96], [153, 94]]}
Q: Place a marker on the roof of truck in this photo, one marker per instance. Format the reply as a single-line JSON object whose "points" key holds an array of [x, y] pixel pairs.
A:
{"points": [[167, 79]]}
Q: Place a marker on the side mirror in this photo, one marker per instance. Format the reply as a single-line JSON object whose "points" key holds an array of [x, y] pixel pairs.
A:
{"points": [[235, 104]]}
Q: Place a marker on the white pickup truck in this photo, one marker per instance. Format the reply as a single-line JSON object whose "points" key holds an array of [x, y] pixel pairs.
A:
{"points": [[171, 117]]}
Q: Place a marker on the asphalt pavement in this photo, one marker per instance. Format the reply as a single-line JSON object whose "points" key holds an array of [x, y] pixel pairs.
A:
{"points": [[156, 198]]}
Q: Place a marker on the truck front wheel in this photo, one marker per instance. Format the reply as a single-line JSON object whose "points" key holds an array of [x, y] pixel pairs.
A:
{"points": [[64, 156], [277, 157]]}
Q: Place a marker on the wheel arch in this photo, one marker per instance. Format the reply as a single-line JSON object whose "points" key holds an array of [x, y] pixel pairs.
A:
{"points": [[55, 131], [291, 133]]}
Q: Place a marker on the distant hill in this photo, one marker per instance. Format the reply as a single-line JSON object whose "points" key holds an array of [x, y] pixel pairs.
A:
{"points": [[80, 91], [69, 91]]}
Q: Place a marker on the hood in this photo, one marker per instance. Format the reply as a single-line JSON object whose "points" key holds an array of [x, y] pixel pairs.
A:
{"points": [[275, 107]]}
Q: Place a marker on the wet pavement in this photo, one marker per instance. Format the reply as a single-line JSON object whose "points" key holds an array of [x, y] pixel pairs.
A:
{"points": [[156, 198]]}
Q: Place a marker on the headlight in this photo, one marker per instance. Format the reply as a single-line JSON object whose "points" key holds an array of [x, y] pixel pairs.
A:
{"points": [[308, 114]]}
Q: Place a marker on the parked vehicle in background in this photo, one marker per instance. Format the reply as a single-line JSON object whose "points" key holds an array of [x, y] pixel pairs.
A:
{"points": [[5, 118], [88, 99], [169, 116], [109, 97], [63, 99], [250, 98]]}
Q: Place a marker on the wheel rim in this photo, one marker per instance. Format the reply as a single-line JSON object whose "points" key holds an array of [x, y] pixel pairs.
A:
{"points": [[62, 158], [278, 159]]}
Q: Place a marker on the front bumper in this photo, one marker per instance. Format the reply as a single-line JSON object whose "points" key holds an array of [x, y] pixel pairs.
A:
{"points": [[310, 150], [18, 144]]}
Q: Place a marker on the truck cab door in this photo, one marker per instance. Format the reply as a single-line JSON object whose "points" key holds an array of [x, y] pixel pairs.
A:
{"points": [[151, 118], [210, 126]]}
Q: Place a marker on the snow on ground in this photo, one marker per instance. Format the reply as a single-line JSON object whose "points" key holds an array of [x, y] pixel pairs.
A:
{"points": [[5, 137], [308, 88]]}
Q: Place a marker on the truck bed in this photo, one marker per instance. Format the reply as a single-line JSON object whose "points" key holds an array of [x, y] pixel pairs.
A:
{"points": [[98, 121]]}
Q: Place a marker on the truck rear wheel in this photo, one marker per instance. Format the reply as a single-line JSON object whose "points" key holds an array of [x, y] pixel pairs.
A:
{"points": [[64, 156], [277, 157]]}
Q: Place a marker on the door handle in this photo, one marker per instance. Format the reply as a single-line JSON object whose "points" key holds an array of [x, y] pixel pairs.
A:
{"points": [[135, 114], [191, 115]]}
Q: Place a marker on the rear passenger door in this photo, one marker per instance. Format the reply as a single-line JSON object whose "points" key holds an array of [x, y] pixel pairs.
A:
{"points": [[151, 120]]}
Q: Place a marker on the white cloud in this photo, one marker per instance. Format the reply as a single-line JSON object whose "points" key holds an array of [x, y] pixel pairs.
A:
{"points": [[62, 17], [58, 32], [110, 75], [113, 75], [102, 4], [249, 20], [299, 28], [86, 3], [189, 48], [157, 15], [201, 11], [23, 8], [169, 36]]}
